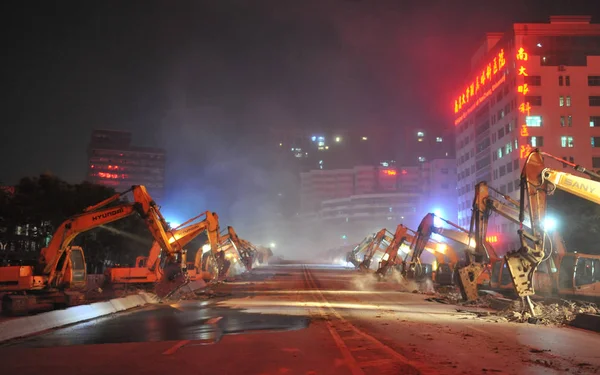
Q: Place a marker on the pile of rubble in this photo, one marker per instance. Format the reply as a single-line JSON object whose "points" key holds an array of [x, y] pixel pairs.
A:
{"points": [[559, 313]]}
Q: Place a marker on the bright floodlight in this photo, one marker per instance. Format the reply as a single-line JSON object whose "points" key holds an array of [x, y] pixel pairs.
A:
{"points": [[206, 248], [436, 220], [441, 248], [550, 224], [272, 244]]}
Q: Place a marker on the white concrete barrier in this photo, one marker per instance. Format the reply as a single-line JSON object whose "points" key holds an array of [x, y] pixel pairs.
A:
{"points": [[25, 326]]}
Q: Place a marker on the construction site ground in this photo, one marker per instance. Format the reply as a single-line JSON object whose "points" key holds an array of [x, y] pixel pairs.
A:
{"points": [[311, 319]]}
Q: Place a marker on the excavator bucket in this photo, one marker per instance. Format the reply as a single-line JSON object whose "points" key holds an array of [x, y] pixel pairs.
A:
{"points": [[172, 281], [467, 280]]}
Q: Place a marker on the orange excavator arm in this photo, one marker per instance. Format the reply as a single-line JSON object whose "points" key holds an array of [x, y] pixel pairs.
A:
{"points": [[381, 237], [537, 182], [400, 236], [427, 228], [98, 215], [185, 233]]}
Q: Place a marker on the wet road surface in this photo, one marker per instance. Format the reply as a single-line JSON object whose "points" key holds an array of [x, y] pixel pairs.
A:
{"points": [[304, 320]]}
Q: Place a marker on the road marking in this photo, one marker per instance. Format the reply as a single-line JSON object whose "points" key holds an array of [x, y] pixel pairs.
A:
{"points": [[424, 369], [176, 347], [350, 361]]}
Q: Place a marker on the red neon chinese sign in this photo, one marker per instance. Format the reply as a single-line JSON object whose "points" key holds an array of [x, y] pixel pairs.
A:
{"points": [[492, 239], [480, 84], [524, 107], [389, 172]]}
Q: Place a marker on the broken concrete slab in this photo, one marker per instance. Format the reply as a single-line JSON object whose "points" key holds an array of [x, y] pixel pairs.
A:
{"points": [[591, 322]]}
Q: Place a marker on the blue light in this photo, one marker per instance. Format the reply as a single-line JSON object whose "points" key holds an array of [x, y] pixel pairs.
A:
{"points": [[313, 138], [550, 224], [436, 220]]}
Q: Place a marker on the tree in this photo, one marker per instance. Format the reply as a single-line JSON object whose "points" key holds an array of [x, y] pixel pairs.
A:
{"points": [[41, 204], [578, 221]]}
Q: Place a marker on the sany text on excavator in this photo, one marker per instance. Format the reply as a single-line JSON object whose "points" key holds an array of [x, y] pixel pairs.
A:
{"points": [[149, 269], [537, 182], [61, 272]]}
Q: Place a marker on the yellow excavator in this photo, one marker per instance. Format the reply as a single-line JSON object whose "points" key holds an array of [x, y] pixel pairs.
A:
{"points": [[537, 182], [60, 276], [148, 269]]}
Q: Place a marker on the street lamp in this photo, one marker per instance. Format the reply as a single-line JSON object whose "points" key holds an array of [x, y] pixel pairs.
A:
{"points": [[272, 244]]}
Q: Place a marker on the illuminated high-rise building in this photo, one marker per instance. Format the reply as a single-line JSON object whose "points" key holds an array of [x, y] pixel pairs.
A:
{"points": [[537, 85], [113, 161]]}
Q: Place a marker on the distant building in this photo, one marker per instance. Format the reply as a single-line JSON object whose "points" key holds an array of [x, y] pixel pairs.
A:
{"points": [[353, 202], [345, 149], [534, 86], [113, 161]]}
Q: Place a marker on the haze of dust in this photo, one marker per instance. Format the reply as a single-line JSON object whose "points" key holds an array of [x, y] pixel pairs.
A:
{"points": [[369, 281]]}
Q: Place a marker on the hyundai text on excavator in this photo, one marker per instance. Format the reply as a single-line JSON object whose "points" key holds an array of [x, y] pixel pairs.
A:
{"points": [[537, 182], [61, 273], [148, 269]]}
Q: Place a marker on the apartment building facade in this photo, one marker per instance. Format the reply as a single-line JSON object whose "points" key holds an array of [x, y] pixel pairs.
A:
{"points": [[535, 86]]}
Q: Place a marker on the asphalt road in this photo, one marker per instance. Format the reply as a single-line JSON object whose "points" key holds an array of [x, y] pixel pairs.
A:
{"points": [[304, 320]]}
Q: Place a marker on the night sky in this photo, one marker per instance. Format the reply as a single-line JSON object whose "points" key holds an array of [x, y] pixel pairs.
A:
{"points": [[205, 79]]}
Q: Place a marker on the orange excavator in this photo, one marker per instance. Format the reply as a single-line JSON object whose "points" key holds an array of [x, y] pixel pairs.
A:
{"points": [[60, 276], [380, 241], [244, 249], [537, 182], [426, 229], [362, 248], [404, 235], [148, 269], [484, 206]]}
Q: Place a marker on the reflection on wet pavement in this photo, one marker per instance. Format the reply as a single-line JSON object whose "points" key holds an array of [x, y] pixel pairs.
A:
{"points": [[190, 320]]}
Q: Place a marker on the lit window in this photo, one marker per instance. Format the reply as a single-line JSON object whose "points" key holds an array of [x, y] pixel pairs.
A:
{"points": [[508, 148], [533, 121], [566, 141], [561, 101], [569, 120], [420, 139], [338, 139], [568, 101], [537, 141], [364, 138], [420, 134], [313, 138], [421, 159], [438, 139], [500, 151]]}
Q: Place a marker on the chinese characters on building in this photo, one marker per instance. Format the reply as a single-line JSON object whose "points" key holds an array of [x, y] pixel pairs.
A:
{"points": [[524, 106], [482, 82]]}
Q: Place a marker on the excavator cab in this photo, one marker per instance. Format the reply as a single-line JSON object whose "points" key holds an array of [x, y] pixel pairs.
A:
{"points": [[72, 271]]}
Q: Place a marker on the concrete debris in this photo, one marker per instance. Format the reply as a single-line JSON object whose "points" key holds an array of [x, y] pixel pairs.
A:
{"points": [[549, 314], [560, 312]]}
